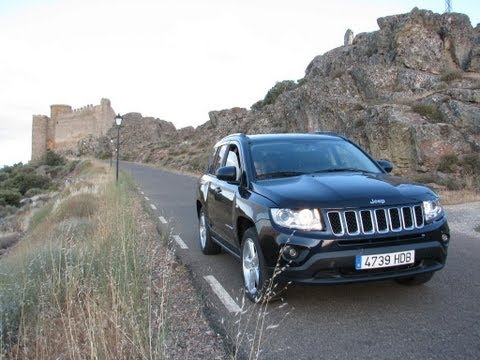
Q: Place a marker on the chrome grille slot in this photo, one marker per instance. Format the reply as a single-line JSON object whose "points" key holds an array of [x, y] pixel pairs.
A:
{"points": [[418, 216], [335, 222], [407, 217], [352, 222], [380, 220], [394, 215], [367, 222]]}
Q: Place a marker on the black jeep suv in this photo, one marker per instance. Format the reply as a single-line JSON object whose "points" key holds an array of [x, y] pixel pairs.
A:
{"points": [[316, 209]]}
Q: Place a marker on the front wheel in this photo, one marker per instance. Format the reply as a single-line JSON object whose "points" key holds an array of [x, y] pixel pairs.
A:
{"points": [[207, 245], [253, 267], [415, 280]]}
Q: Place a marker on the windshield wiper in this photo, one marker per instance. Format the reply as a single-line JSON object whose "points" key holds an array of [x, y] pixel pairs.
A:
{"points": [[279, 174]]}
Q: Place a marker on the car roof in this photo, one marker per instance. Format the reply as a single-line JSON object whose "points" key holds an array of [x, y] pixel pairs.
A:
{"points": [[258, 138], [292, 136]]}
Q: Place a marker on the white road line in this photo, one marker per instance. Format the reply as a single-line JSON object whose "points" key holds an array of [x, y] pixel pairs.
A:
{"points": [[147, 198], [180, 242], [162, 220], [153, 207], [222, 294]]}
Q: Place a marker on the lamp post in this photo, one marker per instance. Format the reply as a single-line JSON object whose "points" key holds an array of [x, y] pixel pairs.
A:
{"points": [[118, 121], [111, 152]]}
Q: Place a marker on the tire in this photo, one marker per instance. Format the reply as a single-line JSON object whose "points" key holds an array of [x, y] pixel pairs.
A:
{"points": [[415, 280], [254, 271], [207, 245]]}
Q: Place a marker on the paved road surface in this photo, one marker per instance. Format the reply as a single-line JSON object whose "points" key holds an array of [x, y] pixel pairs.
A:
{"points": [[382, 320]]}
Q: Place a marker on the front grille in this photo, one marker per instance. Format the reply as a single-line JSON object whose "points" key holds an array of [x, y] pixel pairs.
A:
{"points": [[376, 221]]}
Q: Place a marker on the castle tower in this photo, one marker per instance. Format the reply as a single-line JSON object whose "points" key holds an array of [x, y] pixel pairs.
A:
{"points": [[107, 115], [39, 136], [56, 111]]}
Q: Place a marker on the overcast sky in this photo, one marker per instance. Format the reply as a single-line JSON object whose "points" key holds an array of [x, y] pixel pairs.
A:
{"points": [[172, 59]]}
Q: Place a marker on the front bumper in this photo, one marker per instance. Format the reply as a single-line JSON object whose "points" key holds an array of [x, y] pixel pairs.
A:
{"points": [[339, 266], [335, 263]]}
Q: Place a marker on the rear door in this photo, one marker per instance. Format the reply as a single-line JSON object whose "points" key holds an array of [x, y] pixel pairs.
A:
{"points": [[214, 192]]}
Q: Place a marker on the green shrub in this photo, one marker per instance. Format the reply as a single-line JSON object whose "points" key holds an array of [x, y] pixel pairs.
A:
{"points": [[451, 74], [6, 210], [24, 182], [430, 111], [447, 163], [53, 159], [9, 197], [274, 93], [453, 183], [33, 191], [471, 164]]}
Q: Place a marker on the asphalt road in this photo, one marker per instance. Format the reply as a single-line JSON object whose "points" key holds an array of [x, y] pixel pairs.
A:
{"points": [[380, 320]]}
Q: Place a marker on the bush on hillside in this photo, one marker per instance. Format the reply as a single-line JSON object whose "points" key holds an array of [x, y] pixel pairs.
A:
{"points": [[447, 163], [274, 93], [9, 197], [430, 111], [24, 182], [52, 159], [471, 164]]}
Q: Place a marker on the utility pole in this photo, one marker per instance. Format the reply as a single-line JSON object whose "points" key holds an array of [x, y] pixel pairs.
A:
{"points": [[448, 6]]}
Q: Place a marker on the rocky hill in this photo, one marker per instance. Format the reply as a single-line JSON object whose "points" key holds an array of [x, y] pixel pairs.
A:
{"points": [[409, 92]]}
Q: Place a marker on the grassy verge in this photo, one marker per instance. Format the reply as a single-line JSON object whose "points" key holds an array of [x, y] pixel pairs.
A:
{"points": [[81, 282], [454, 197]]}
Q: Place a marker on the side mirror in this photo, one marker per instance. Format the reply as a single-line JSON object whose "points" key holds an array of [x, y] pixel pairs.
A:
{"points": [[385, 165], [227, 173]]}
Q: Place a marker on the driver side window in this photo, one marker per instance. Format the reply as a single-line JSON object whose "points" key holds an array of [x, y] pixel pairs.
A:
{"points": [[218, 159], [233, 159]]}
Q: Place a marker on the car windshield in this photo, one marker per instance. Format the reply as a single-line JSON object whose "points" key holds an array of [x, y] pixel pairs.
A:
{"points": [[293, 157]]}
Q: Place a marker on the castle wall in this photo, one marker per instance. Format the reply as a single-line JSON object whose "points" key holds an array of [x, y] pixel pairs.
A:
{"points": [[66, 127], [39, 136]]}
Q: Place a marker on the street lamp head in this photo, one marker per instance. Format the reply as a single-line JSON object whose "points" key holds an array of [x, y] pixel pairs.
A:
{"points": [[118, 120]]}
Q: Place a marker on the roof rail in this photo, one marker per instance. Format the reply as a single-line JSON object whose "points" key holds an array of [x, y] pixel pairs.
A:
{"points": [[332, 133], [235, 134]]}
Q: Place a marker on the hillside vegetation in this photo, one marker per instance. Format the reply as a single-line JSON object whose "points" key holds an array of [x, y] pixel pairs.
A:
{"points": [[92, 278], [22, 181]]}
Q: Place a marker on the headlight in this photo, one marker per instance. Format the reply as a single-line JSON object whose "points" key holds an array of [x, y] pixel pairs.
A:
{"points": [[303, 219], [432, 210]]}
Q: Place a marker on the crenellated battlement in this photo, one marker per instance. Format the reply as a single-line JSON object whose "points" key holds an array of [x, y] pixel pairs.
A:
{"points": [[66, 126]]}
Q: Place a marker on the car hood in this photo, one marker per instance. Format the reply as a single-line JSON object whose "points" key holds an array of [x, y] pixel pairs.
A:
{"points": [[345, 190]]}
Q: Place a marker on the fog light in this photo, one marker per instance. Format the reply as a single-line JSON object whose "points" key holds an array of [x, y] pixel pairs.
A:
{"points": [[290, 252], [445, 237]]}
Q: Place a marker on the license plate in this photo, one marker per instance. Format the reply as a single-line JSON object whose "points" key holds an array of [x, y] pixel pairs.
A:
{"points": [[384, 260]]}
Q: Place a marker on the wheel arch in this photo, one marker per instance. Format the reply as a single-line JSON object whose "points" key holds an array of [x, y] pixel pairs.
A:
{"points": [[242, 225]]}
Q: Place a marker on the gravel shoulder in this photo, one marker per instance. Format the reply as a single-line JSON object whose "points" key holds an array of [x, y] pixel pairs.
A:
{"points": [[464, 218], [187, 333]]}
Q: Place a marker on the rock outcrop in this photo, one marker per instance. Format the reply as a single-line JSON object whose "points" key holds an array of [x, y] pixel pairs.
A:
{"points": [[409, 92]]}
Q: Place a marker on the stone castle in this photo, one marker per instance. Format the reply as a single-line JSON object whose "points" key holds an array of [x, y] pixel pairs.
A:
{"points": [[65, 127]]}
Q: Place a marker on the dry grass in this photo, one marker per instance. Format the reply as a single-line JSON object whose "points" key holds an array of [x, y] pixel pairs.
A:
{"points": [[81, 284], [454, 197]]}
